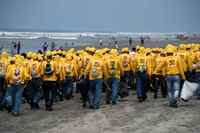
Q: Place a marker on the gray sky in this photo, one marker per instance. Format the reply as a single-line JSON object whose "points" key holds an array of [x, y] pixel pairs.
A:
{"points": [[101, 15]]}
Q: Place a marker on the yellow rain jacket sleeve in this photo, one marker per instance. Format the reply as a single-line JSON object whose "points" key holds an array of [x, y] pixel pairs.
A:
{"points": [[184, 60], [133, 65], [150, 65], [191, 60], [196, 61]]}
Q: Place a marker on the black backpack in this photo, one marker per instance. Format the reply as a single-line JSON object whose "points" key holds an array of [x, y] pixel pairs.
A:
{"points": [[48, 69]]}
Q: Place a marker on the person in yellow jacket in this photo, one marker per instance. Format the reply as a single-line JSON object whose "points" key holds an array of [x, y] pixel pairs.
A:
{"points": [[114, 72], [159, 76], [174, 71], [4, 61], [150, 63], [15, 77], [35, 69], [83, 81], [125, 59], [59, 59], [140, 66], [69, 71], [195, 70], [49, 76], [95, 71], [184, 62]]}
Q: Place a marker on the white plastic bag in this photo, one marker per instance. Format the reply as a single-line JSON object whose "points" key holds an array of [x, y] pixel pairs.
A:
{"points": [[188, 90]]}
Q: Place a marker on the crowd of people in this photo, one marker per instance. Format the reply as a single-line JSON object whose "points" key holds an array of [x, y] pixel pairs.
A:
{"points": [[52, 75]]}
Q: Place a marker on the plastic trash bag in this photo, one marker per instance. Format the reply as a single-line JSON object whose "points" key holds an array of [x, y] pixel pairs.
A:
{"points": [[188, 90]]}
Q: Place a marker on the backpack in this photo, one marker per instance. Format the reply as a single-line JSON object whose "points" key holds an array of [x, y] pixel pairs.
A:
{"points": [[48, 69]]}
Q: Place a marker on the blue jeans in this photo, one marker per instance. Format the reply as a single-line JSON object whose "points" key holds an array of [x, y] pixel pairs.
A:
{"points": [[173, 86], [13, 98], [68, 86], [2, 92], [94, 94], [114, 85], [141, 81]]}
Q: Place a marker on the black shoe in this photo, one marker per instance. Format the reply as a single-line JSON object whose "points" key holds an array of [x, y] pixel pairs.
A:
{"points": [[67, 97], [140, 99], [114, 103], [173, 105], [9, 109], [144, 98], [107, 102], [49, 108], [37, 106], [15, 114], [184, 100], [84, 105], [91, 107]]}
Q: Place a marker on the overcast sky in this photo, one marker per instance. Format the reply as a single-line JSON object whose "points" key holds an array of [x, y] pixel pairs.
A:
{"points": [[101, 15]]}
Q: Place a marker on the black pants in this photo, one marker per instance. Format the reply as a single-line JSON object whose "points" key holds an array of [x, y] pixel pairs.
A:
{"points": [[49, 88], [159, 83], [35, 89], [2, 90], [83, 86]]}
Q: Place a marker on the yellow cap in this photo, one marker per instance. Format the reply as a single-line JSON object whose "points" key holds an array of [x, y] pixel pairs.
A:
{"points": [[125, 50], [113, 51]]}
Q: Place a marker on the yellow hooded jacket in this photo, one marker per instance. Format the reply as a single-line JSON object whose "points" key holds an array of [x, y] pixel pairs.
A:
{"points": [[172, 65], [16, 74], [114, 67], [125, 60], [53, 76], [69, 69], [96, 69], [140, 63]]}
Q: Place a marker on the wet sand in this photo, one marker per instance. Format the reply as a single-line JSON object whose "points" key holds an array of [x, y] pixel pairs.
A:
{"points": [[152, 116], [36, 44]]}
